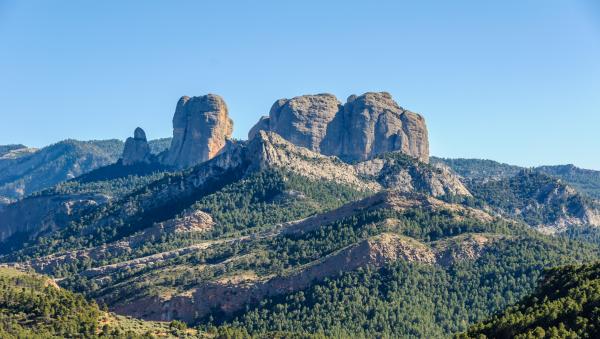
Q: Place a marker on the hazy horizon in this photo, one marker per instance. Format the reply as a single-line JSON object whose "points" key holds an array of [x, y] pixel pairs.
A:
{"points": [[515, 82]]}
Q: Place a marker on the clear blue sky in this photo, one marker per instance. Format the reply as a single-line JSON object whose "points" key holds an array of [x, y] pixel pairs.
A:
{"points": [[515, 81]]}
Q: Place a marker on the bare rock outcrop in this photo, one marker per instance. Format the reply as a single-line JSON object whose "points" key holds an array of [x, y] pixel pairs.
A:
{"points": [[136, 149], [367, 125], [269, 150], [201, 128], [304, 120], [374, 123]]}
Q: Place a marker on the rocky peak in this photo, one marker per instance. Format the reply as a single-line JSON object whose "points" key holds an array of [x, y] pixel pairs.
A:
{"points": [[303, 120], [136, 149], [374, 124], [367, 125], [201, 128]]}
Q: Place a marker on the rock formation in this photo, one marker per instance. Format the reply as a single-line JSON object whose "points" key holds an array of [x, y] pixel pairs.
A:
{"points": [[364, 127], [304, 120], [373, 123], [136, 149], [201, 127]]}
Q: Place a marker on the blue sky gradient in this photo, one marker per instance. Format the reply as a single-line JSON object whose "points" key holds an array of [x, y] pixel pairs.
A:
{"points": [[513, 81]]}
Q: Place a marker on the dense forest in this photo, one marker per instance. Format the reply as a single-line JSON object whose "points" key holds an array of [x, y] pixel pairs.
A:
{"points": [[32, 306], [566, 304]]}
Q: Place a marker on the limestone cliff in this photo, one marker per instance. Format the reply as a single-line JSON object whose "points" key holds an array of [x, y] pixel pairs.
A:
{"points": [[201, 127], [364, 127]]}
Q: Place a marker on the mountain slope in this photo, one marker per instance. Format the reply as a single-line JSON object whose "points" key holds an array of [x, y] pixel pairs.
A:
{"points": [[584, 180], [33, 306], [564, 305], [553, 199], [25, 170], [268, 236], [539, 200], [175, 192]]}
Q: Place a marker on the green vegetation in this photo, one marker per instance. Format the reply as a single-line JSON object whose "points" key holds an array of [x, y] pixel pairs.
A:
{"points": [[477, 169], [116, 187], [565, 305], [406, 299], [400, 299], [270, 197], [585, 181], [32, 306], [53, 164]]}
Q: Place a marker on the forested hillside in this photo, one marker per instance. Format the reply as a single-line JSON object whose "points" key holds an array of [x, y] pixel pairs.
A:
{"points": [[564, 305]]}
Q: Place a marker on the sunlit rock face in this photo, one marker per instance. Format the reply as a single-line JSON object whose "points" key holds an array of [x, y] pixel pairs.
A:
{"points": [[201, 128], [367, 125]]}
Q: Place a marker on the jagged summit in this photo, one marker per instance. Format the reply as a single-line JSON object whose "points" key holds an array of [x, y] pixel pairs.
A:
{"points": [[367, 125]]}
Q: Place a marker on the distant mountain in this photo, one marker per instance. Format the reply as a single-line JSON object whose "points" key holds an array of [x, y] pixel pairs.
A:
{"points": [[158, 146], [553, 199], [4, 149], [479, 169], [14, 151], [24, 170], [542, 201], [564, 305], [584, 180], [50, 165]]}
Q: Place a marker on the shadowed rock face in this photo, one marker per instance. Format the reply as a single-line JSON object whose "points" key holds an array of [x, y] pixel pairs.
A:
{"points": [[136, 149], [201, 127], [365, 126]]}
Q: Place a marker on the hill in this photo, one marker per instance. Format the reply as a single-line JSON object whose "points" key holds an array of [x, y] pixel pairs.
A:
{"points": [[33, 306], [564, 305]]}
